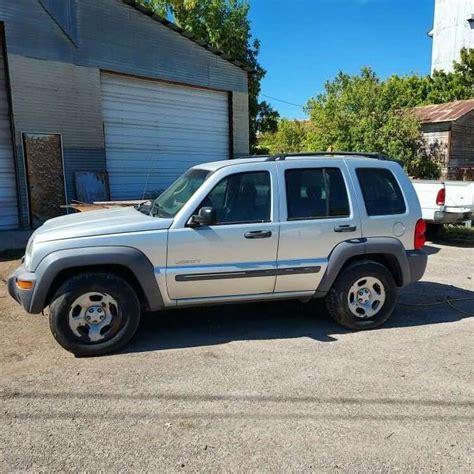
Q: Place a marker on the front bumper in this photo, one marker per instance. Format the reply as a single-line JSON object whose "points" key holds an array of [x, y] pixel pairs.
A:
{"points": [[24, 297], [417, 261]]}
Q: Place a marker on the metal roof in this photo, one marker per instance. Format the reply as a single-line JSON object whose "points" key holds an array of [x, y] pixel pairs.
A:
{"points": [[187, 34], [448, 112]]}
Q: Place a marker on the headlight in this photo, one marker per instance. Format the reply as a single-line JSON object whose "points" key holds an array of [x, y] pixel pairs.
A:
{"points": [[29, 251]]}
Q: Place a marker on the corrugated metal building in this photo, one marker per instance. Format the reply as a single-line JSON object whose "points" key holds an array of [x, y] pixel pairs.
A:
{"points": [[100, 86], [451, 126]]}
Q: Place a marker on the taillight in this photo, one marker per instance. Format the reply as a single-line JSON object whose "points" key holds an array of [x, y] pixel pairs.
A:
{"points": [[441, 197], [420, 229]]}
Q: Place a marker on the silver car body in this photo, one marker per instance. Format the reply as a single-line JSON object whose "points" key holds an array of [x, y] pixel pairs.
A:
{"points": [[212, 264]]}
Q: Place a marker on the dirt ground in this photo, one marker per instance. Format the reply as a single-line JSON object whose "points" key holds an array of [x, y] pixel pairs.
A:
{"points": [[269, 387]]}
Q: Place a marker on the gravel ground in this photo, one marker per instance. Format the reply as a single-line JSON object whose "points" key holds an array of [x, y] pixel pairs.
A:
{"points": [[270, 387]]}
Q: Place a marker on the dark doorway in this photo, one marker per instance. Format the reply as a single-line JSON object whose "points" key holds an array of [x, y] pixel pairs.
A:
{"points": [[45, 173]]}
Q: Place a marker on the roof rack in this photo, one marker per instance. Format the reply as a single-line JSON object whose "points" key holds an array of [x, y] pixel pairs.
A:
{"points": [[376, 156], [254, 156]]}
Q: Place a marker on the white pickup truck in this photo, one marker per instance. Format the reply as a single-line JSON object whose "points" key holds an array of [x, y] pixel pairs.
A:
{"points": [[445, 202]]}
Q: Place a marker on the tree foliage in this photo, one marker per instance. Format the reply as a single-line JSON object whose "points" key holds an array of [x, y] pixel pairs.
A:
{"points": [[224, 24], [364, 113], [291, 135]]}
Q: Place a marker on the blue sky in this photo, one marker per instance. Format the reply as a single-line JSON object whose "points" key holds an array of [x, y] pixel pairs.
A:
{"points": [[306, 42]]}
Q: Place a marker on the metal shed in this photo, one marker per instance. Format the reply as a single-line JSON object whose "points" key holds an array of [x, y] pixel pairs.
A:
{"points": [[102, 86], [451, 125]]}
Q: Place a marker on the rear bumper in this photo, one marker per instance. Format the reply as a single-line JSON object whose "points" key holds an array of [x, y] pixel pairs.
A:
{"points": [[442, 217], [417, 261], [23, 297]]}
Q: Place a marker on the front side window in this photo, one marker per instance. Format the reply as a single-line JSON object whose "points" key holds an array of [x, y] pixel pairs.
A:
{"points": [[171, 201], [241, 198], [316, 193], [381, 192]]}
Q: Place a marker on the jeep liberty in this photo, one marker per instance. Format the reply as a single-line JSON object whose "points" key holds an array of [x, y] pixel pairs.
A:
{"points": [[346, 227]]}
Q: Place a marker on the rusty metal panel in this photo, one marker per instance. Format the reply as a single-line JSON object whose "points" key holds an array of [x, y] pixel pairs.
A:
{"points": [[448, 112], [91, 186], [45, 171]]}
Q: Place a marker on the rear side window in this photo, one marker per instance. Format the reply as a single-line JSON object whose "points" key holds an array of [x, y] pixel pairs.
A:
{"points": [[316, 193], [381, 192]]}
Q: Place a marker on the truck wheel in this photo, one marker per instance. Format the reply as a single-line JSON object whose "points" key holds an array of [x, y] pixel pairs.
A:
{"points": [[94, 313], [363, 296]]}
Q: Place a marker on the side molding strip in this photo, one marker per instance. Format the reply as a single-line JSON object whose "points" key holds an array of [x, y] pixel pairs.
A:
{"points": [[247, 273]]}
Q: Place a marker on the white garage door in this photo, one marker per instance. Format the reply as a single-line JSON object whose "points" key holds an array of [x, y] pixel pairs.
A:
{"points": [[8, 200], [155, 131]]}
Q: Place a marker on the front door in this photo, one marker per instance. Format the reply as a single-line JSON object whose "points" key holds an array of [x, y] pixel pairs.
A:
{"points": [[237, 255], [316, 216]]}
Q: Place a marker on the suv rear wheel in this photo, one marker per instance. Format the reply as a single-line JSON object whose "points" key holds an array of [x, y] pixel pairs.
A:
{"points": [[363, 296], [94, 313]]}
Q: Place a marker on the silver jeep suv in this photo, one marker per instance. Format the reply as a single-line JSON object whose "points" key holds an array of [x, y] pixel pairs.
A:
{"points": [[343, 227]]}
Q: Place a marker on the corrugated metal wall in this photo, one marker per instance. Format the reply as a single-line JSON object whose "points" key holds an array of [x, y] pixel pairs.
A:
{"points": [[53, 97], [241, 131], [114, 36], [56, 83], [64, 13], [8, 199]]}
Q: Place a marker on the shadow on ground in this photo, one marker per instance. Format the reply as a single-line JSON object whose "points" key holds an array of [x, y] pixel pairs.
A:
{"points": [[430, 250], [12, 254], [462, 239], [289, 319]]}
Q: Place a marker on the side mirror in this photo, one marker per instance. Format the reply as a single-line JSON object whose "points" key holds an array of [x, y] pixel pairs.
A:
{"points": [[205, 216]]}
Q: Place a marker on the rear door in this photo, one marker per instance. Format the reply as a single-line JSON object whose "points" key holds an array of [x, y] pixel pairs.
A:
{"points": [[389, 205], [317, 213]]}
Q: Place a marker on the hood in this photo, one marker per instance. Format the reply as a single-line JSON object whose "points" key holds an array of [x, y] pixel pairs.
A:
{"points": [[103, 222]]}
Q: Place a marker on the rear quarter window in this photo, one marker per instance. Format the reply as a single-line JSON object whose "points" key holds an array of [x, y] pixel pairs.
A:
{"points": [[381, 192]]}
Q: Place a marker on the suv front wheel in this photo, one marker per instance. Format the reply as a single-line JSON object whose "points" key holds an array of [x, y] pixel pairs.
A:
{"points": [[363, 296], [94, 313]]}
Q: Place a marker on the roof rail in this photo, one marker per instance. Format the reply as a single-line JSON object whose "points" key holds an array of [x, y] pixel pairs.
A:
{"points": [[283, 156]]}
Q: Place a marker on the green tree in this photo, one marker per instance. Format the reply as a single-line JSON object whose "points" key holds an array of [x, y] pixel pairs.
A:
{"points": [[224, 25], [455, 85], [441, 87], [267, 118], [290, 136], [364, 113]]}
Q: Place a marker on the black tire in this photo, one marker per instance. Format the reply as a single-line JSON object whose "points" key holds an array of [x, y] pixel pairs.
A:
{"points": [[125, 319], [337, 299]]}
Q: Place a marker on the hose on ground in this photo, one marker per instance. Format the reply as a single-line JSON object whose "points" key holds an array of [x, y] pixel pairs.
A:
{"points": [[449, 301]]}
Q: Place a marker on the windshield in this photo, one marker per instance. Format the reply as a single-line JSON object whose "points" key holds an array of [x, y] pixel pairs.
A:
{"points": [[171, 201]]}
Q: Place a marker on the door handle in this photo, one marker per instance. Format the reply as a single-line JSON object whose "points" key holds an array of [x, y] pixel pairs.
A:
{"points": [[258, 234], [345, 228]]}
